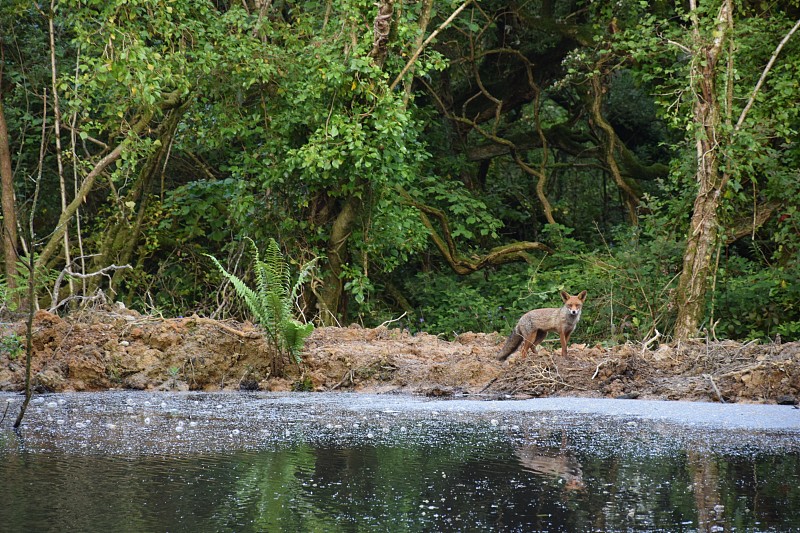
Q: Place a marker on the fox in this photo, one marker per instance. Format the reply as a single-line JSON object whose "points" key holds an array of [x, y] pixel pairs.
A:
{"points": [[534, 325]]}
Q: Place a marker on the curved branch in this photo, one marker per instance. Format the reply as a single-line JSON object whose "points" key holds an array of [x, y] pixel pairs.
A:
{"points": [[630, 197], [431, 37], [170, 100], [516, 251], [746, 224], [539, 173]]}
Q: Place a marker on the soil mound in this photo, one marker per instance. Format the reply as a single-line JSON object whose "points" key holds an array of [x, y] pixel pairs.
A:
{"points": [[119, 348]]}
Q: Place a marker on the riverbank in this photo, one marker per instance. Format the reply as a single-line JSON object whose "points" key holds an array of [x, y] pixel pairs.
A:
{"points": [[121, 349]]}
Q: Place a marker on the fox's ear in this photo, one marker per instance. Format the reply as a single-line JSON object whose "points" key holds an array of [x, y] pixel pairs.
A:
{"points": [[582, 295], [564, 295]]}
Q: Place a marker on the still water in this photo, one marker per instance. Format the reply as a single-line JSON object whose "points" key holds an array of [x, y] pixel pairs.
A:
{"points": [[135, 461]]}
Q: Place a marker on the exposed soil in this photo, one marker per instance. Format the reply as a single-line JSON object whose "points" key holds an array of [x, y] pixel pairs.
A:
{"points": [[119, 348]]}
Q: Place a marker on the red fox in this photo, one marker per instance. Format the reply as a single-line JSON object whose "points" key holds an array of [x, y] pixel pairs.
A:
{"points": [[534, 325]]}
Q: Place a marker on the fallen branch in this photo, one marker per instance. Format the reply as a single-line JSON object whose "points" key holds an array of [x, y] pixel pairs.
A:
{"points": [[710, 378], [536, 376], [66, 271], [647, 343], [487, 385], [384, 324], [600, 365], [347, 375], [210, 322]]}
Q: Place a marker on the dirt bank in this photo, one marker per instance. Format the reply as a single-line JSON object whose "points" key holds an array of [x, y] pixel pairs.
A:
{"points": [[119, 348]]}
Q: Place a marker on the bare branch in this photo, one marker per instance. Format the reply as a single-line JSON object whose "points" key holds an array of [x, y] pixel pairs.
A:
{"points": [[515, 251], [757, 88], [55, 304], [431, 37]]}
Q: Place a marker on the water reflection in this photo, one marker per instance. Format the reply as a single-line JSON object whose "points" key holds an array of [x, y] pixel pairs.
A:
{"points": [[389, 489], [316, 466], [558, 464]]}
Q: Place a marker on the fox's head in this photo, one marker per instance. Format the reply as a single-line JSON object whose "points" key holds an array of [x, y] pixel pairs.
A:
{"points": [[573, 303]]}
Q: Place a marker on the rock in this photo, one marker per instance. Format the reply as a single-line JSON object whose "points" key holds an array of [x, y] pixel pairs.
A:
{"points": [[438, 392], [786, 399], [49, 381], [136, 381], [248, 384], [174, 385]]}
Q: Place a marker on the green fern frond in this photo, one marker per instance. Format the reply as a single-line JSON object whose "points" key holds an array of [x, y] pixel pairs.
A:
{"points": [[271, 301], [294, 335], [252, 299]]}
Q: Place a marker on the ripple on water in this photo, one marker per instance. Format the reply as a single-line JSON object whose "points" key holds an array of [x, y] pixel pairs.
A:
{"points": [[154, 423]]}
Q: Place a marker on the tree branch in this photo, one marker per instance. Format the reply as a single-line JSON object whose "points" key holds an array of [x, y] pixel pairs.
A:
{"points": [[431, 37], [55, 304], [516, 251], [170, 100], [760, 82], [630, 198]]}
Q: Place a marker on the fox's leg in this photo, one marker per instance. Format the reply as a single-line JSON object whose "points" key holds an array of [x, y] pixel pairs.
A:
{"points": [[564, 341], [526, 345], [540, 335], [533, 340]]}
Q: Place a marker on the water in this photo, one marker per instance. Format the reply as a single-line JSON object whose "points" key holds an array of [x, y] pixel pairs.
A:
{"points": [[135, 461]]}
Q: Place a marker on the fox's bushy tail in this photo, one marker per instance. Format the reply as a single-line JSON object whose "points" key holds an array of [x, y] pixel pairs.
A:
{"points": [[512, 342]]}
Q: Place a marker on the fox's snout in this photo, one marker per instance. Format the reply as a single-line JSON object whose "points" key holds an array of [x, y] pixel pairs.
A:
{"points": [[574, 310]]}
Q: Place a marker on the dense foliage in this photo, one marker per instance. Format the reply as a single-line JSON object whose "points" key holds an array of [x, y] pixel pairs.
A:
{"points": [[450, 163]]}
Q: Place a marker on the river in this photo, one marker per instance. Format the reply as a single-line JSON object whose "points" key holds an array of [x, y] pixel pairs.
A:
{"points": [[144, 461]]}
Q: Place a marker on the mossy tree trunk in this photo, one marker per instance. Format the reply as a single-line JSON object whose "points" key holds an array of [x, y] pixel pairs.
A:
{"points": [[704, 225], [330, 295]]}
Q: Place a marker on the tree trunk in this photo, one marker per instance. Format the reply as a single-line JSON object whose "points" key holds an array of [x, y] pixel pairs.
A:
{"points": [[704, 226], [700, 245], [330, 295], [122, 237], [9, 207]]}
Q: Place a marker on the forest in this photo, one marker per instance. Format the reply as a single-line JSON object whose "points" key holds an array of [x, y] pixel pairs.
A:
{"points": [[443, 166]]}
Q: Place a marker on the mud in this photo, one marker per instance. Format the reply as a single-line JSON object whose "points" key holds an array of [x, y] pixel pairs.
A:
{"points": [[116, 348]]}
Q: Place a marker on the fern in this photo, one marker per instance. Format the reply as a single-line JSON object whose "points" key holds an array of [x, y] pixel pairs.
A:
{"points": [[272, 300]]}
